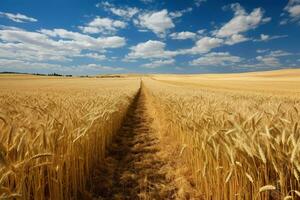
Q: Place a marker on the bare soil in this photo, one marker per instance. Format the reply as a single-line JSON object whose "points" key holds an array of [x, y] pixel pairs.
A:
{"points": [[134, 167]]}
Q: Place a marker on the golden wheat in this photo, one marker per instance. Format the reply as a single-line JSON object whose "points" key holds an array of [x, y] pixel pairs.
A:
{"points": [[237, 144], [54, 133]]}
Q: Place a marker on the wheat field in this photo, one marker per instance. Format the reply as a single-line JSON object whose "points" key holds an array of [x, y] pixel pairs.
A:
{"points": [[55, 131], [234, 136]]}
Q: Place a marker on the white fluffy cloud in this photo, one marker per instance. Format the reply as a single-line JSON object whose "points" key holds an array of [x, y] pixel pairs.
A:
{"points": [[183, 35], [153, 49], [216, 59], [159, 63], [242, 21], [229, 34], [150, 49], [293, 10], [236, 38], [204, 45], [18, 17], [82, 41], [125, 12], [31, 46], [57, 44], [159, 22], [103, 25], [31, 52], [157, 53]]}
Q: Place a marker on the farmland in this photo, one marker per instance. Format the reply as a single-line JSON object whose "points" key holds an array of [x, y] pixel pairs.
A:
{"points": [[225, 136]]}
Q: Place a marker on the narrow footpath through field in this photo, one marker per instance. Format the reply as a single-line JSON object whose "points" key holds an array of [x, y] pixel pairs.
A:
{"points": [[134, 168]]}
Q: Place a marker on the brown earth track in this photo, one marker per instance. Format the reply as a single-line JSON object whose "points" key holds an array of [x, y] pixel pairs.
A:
{"points": [[134, 167]]}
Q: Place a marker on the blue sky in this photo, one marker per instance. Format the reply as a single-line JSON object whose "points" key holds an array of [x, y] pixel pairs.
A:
{"points": [[148, 36]]}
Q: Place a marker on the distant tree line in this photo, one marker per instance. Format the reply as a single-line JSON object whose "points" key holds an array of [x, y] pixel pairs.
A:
{"points": [[37, 74], [66, 75]]}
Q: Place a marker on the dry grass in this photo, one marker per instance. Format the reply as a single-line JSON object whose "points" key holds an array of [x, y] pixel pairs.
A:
{"points": [[237, 144], [55, 131]]}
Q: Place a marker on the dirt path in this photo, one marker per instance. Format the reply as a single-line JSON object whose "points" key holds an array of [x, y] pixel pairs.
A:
{"points": [[134, 168]]}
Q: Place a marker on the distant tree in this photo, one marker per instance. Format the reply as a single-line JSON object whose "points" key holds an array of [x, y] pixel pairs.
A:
{"points": [[54, 74]]}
